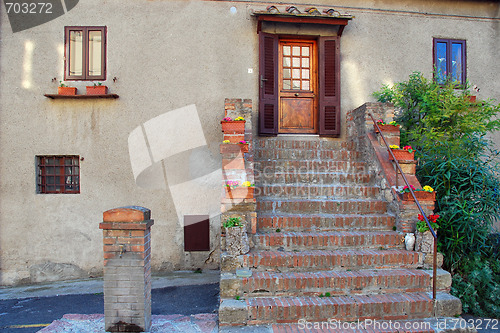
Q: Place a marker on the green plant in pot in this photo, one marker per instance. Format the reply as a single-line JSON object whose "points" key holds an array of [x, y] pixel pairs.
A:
{"points": [[97, 89], [233, 222], [65, 90], [236, 236]]}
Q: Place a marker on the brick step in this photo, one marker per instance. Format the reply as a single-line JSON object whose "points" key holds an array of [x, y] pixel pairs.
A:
{"points": [[330, 259], [290, 309], [324, 222], [294, 154], [424, 325], [302, 191], [290, 241], [271, 166], [307, 144], [315, 178], [366, 281], [315, 206]]}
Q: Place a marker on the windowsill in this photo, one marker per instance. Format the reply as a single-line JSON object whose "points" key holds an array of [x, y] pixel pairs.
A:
{"points": [[57, 96]]}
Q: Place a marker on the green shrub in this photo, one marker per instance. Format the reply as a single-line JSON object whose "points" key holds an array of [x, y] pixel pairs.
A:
{"points": [[456, 159], [467, 200], [478, 286]]}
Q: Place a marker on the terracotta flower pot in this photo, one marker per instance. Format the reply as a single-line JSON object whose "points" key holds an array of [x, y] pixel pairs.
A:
{"points": [[234, 138], [231, 148], [97, 90], [233, 126], [387, 128], [240, 192], [66, 90], [421, 196], [402, 155]]}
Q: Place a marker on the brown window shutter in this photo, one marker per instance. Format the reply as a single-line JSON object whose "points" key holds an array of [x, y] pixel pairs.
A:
{"points": [[268, 74], [329, 86]]}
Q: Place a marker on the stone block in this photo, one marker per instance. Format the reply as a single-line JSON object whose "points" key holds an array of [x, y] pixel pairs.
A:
{"points": [[428, 258], [230, 263], [443, 278], [424, 242], [237, 240], [447, 305], [233, 312], [230, 285], [408, 167]]}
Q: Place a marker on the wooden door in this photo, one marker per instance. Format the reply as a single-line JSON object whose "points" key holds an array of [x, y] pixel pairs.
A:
{"points": [[277, 112], [298, 107]]}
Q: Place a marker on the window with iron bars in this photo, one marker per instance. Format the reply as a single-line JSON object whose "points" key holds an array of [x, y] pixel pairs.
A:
{"points": [[58, 174]]}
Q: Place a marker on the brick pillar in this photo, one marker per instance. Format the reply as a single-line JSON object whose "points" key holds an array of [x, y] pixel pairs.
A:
{"points": [[127, 269]]}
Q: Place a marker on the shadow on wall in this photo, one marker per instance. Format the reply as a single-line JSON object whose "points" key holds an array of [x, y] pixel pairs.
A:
{"points": [[170, 152]]}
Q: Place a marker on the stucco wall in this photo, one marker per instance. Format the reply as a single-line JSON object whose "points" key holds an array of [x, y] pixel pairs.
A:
{"points": [[166, 55]]}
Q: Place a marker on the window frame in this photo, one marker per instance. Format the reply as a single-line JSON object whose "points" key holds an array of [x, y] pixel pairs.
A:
{"points": [[41, 174], [85, 50], [449, 42]]}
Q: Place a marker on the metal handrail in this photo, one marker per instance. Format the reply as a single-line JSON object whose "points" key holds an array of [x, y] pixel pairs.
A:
{"points": [[398, 168]]}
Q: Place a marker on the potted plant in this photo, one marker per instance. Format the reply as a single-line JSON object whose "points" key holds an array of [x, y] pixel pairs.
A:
{"points": [[424, 239], [384, 127], [236, 126], [235, 191], [227, 147], [97, 89], [425, 194], [405, 154], [64, 90], [236, 236]]}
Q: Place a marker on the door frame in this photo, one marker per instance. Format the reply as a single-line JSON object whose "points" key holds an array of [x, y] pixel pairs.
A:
{"points": [[328, 57]]}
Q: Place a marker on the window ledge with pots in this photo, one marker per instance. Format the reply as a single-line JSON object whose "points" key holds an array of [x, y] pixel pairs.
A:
{"points": [[59, 96]]}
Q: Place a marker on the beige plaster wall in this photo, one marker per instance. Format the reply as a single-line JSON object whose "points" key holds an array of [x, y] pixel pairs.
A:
{"points": [[166, 55]]}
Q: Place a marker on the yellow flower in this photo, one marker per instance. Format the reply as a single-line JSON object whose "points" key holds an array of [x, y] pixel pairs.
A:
{"points": [[394, 146], [427, 188], [393, 123], [226, 141], [246, 184], [239, 119]]}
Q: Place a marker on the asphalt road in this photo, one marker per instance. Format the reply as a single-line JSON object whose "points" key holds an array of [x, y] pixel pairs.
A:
{"points": [[32, 314]]}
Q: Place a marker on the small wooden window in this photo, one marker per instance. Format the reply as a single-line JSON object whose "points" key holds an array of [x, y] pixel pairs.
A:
{"points": [[450, 60], [296, 60], [196, 233], [58, 174], [85, 53]]}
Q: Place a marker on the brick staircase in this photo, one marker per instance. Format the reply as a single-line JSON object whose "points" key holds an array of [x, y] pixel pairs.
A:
{"points": [[325, 246]]}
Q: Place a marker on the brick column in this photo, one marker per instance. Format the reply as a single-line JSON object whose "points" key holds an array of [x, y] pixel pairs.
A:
{"points": [[127, 269]]}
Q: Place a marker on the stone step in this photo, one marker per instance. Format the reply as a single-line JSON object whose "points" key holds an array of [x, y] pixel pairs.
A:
{"points": [[312, 166], [316, 206], [290, 241], [303, 191], [291, 309], [366, 281], [330, 259], [294, 154], [424, 325], [324, 222], [307, 144], [333, 178]]}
